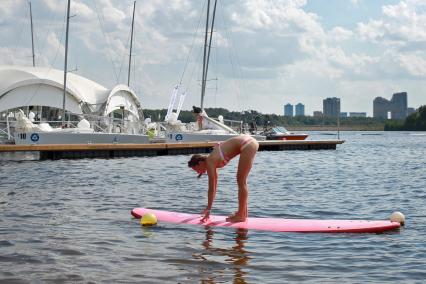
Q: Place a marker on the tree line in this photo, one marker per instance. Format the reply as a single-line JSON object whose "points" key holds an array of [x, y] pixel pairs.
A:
{"points": [[414, 122], [262, 120]]}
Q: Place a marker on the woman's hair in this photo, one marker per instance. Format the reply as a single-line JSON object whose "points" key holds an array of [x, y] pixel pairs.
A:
{"points": [[196, 159]]}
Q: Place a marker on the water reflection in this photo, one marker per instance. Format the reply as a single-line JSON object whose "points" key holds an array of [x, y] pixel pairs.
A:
{"points": [[236, 256], [147, 232]]}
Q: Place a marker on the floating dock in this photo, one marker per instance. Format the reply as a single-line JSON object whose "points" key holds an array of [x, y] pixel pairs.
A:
{"points": [[79, 151]]}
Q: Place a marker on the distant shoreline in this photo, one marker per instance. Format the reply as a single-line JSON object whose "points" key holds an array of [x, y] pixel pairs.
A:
{"points": [[334, 128]]}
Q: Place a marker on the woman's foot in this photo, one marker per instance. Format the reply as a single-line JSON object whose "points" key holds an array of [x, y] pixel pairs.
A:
{"points": [[235, 218]]}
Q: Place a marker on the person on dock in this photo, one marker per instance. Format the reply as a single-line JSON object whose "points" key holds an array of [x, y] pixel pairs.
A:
{"points": [[243, 145], [198, 113]]}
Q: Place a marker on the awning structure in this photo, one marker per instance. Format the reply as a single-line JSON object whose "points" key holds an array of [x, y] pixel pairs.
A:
{"points": [[40, 86]]}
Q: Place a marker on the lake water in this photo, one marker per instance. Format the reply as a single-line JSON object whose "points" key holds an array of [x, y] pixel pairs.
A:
{"points": [[68, 221]]}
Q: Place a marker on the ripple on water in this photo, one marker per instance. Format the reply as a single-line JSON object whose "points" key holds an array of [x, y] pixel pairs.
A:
{"points": [[69, 220]]}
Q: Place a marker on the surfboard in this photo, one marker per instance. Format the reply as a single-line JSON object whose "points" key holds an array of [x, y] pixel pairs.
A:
{"points": [[273, 224]]}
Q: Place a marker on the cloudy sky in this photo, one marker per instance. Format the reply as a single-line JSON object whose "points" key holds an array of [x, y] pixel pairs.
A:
{"points": [[265, 53]]}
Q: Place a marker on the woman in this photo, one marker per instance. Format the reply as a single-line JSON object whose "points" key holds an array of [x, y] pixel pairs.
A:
{"points": [[223, 152]]}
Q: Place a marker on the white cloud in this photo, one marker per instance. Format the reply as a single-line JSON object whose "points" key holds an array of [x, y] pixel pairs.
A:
{"points": [[11, 56], [54, 5], [340, 34], [81, 10], [278, 17], [113, 15], [9, 7], [401, 24], [278, 47], [414, 64], [78, 8], [355, 2], [373, 30], [401, 33], [54, 45]]}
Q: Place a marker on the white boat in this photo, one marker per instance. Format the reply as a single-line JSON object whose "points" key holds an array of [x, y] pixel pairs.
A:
{"points": [[206, 129], [27, 133], [280, 133], [127, 131], [56, 137], [212, 131]]}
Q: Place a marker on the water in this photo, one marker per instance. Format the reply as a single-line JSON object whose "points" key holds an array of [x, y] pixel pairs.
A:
{"points": [[68, 221]]}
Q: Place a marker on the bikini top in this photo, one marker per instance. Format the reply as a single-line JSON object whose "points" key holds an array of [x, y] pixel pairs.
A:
{"points": [[225, 159]]}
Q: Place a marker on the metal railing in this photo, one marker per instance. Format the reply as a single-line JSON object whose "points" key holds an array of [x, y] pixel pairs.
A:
{"points": [[97, 123]]}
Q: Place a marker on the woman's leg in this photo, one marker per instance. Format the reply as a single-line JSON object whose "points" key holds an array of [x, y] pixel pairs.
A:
{"points": [[244, 166]]}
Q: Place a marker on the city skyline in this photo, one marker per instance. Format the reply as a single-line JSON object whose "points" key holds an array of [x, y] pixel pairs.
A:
{"points": [[263, 52], [397, 108], [409, 109]]}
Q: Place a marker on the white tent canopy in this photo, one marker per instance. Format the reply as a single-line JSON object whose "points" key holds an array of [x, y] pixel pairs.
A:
{"points": [[26, 86]]}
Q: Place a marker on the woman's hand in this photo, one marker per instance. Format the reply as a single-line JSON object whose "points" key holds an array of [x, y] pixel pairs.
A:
{"points": [[206, 213]]}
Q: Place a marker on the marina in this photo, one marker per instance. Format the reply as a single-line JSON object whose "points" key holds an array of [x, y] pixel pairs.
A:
{"points": [[78, 151]]}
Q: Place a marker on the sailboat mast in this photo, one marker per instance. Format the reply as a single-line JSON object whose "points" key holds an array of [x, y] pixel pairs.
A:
{"points": [[66, 63], [32, 34], [131, 44], [203, 81], [210, 44]]}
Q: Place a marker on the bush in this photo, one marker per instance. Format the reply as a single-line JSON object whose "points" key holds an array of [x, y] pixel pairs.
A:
{"points": [[414, 122]]}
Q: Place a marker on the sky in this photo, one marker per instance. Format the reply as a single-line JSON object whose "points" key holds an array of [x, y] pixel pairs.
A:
{"points": [[264, 54]]}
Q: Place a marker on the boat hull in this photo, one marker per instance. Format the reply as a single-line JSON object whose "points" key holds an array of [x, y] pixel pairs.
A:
{"points": [[287, 137], [177, 137], [39, 138]]}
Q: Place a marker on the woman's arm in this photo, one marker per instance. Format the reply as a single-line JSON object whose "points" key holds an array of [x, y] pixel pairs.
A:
{"points": [[212, 173], [212, 188]]}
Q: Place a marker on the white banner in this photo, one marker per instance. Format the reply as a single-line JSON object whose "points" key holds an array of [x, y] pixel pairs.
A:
{"points": [[181, 100], [172, 102]]}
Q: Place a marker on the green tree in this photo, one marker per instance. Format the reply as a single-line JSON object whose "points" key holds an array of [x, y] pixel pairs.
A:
{"points": [[263, 120], [416, 121]]}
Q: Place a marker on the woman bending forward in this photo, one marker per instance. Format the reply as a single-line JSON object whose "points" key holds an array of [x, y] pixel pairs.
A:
{"points": [[243, 145]]}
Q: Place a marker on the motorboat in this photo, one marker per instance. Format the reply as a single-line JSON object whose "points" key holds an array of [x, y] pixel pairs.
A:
{"points": [[281, 133]]}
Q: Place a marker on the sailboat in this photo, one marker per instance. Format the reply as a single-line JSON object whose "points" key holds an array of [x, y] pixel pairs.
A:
{"points": [[206, 128], [27, 132]]}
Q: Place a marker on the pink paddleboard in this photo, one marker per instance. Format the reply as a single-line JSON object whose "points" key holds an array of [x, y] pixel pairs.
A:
{"points": [[274, 224]]}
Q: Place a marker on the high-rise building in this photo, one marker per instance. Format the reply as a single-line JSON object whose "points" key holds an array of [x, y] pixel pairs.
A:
{"points": [[288, 110], [397, 106], [300, 109], [400, 105], [331, 107], [381, 107], [317, 113]]}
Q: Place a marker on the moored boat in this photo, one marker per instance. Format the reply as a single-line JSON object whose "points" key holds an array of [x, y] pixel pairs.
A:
{"points": [[280, 133], [205, 128]]}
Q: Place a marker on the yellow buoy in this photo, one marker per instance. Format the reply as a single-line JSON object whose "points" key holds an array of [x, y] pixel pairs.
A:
{"points": [[148, 219]]}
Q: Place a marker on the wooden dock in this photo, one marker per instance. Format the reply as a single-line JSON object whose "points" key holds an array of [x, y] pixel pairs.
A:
{"points": [[78, 151]]}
